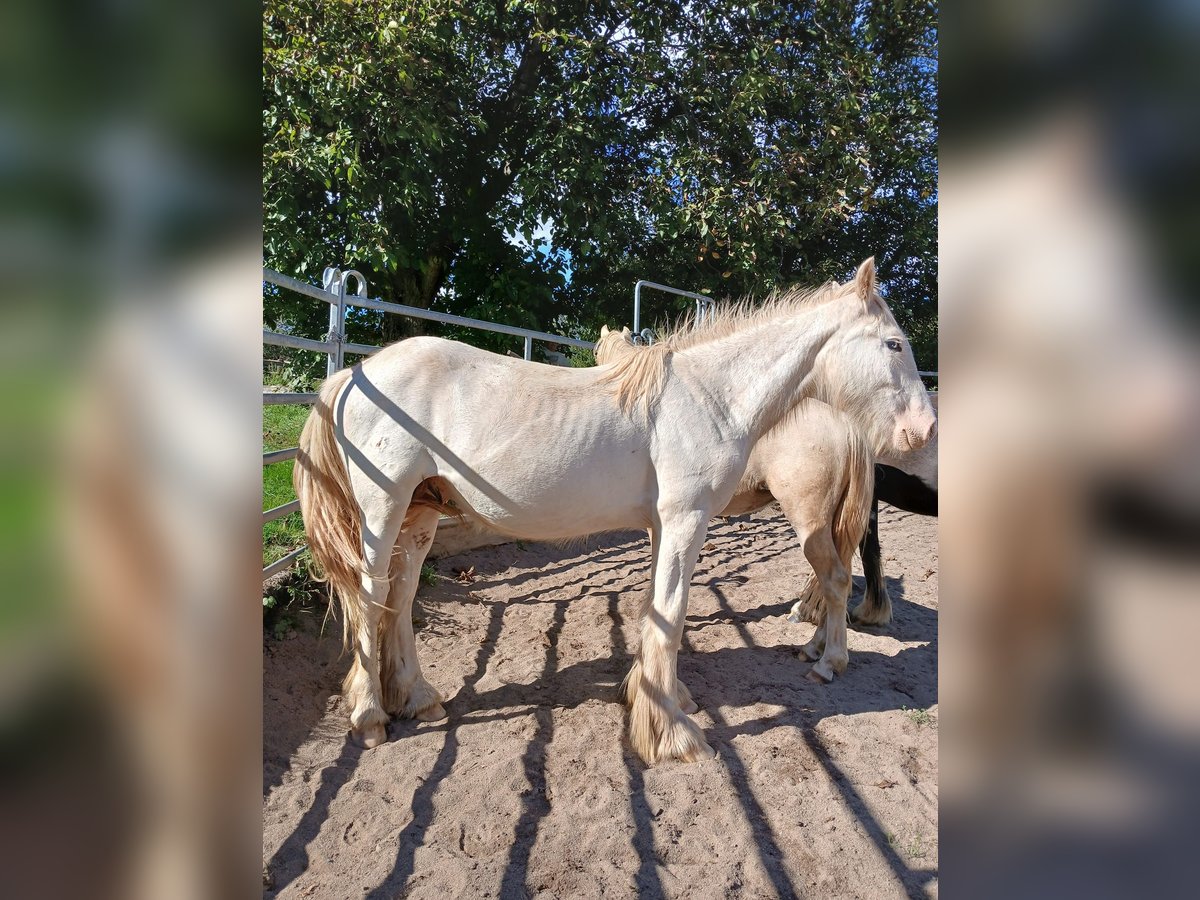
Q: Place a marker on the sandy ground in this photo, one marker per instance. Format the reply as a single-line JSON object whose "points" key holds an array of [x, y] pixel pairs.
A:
{"points": [[529, 789]]}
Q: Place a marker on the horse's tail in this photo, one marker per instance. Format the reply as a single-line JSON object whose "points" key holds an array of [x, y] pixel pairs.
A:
{"points": [[331, 514], [850, 518], [332, 518], [854, 510]]}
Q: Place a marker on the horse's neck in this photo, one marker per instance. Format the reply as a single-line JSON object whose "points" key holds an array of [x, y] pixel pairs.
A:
{"points": [[761, 372]]}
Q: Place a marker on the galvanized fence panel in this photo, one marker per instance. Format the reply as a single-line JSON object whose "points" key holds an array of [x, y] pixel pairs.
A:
{"points": [[431, 315], [703, 304], [283, 398], [274, 456], [285, 509], [275, 339], [283, 563]]}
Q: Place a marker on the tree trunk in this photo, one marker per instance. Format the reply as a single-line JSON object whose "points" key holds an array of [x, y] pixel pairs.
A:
{"points": [[414, 287]]}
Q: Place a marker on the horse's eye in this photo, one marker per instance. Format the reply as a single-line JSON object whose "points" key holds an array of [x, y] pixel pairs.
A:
{"points": [[894, 345]]}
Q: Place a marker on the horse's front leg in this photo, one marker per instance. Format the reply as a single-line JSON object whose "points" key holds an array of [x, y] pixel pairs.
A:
{"points": [[658, 727], [629, 688]]}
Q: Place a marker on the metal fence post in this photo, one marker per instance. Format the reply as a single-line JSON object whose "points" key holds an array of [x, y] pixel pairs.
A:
{"points": [[704, 305], [339, 338], [331, 280], [334, 281], [528, 348]]}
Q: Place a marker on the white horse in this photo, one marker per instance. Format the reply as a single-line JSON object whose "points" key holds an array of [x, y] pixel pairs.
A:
{"points": [[658, 440], [908, 482], [819, 468]]}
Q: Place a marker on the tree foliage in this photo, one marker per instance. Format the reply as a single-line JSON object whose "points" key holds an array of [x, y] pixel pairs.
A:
{"points": [[527, 161]]}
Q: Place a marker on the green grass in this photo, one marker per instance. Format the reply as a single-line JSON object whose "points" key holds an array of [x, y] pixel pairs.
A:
{"points": [[281, 429], [919, 717], [32, 404], [916, 847]]}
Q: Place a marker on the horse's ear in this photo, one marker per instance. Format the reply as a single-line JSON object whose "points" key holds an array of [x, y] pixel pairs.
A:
{"points": [[864, 280], [625, 332], [603, 331]]}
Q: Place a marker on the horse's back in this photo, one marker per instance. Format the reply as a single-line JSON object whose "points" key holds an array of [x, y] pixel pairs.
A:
{"points": [[525, 446]]}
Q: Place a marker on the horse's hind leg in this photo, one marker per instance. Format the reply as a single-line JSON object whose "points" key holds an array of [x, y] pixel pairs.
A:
{"points": [[876, 605], [810, 514], [829, 641], [406, 693], [364, 693], [816, 644], [810, 517]]}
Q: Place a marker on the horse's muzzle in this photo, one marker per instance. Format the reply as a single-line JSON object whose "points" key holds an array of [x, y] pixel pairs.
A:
{"points": [[915, 433]]}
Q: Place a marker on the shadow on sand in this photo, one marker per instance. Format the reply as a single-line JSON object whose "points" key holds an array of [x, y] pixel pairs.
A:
{"points": [[727, 677]]}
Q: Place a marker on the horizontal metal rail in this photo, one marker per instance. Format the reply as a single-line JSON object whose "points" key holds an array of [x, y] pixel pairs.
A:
{"points": [[447, 319], [282, 399], [278, 512], [364, 349], [331, 297], [299, 287], [702, 302], [928, 374], [284, 562], [276, 339], [278, 456]]}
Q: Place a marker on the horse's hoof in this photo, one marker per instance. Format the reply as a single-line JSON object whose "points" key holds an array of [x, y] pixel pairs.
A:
{"points": [[822, 673], [682, 740], [700, 753], [689, 706], [812, 654], [795, 619], [872, 622], [432, 713], [370, 736], [424, 703]]}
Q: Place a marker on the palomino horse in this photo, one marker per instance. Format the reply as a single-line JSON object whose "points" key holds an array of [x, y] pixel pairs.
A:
{"points": [[659, 440], [907, 481], [820, 470]]}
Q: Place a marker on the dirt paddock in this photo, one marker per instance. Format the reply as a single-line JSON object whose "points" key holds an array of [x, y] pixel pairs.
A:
{"points": [[529, 789]]}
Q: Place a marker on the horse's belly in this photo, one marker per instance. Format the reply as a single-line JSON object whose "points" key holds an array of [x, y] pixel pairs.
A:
{"points": [[745, 502], [543, 505], [540, 527]]}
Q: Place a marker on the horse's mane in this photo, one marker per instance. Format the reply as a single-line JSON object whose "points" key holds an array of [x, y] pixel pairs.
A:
{"points": [[638, 377]]}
